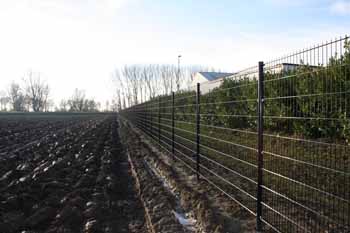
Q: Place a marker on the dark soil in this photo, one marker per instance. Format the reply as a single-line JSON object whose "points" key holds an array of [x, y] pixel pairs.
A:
{"points": [[213, 210], [67, 175]]}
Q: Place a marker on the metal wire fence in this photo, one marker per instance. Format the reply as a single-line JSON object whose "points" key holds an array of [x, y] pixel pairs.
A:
{"points": [[274, 138]]}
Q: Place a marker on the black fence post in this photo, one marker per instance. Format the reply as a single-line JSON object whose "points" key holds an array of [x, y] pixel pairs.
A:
{"points": [[141, 117], [173, 125], [144, 117], [147, 118], [151, 118], [260, 145], [198, 96], [136, 117], [159, 121]]}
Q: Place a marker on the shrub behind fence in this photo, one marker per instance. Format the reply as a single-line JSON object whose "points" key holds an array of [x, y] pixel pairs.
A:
{"points": [[274, 138]]}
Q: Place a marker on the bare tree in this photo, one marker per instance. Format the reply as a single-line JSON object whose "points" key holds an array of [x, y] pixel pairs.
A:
{"points": [[146, 77], [135, 81], [17, 98], [63, 107], [4, 101], [107, 107], [27, 103], [49, 105], [178, 73], [37, 90], [76, 102], [165, 75], [131, 77], [138, 83], [149, 77], [115, 107], [127, 84], [79, 103], [120, 88], [118, 101], [90, 105]]}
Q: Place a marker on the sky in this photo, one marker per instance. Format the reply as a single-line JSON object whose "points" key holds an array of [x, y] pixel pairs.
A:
{"points": [[79, 43]]}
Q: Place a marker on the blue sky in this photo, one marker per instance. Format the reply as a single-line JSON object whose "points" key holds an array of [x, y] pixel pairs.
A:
{"points": [[78, 43]]}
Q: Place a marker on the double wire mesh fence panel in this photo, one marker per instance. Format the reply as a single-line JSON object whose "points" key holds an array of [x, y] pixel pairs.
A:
{"points": [[306, 147], [280, 152]]}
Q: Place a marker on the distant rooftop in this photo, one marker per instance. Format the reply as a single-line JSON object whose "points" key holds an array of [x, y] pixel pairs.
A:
{"points": [[210, 76]]}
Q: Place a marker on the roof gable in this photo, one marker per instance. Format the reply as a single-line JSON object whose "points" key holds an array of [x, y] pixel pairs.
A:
{"points": [[210, 76]]}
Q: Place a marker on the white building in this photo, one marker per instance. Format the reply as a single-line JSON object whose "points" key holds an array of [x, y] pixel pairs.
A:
{"points": [[211, 80], [281, 69], [208, 80]]}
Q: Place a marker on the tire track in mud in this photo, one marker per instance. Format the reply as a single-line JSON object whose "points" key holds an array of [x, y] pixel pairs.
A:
{"points": [[159, 202], [214, 212]]}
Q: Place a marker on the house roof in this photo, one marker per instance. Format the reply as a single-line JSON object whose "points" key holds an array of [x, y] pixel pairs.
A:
{"points": [[210, 76]]}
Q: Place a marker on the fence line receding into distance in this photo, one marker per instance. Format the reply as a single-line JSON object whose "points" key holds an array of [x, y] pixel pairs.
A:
{"points": [[274, 138]]}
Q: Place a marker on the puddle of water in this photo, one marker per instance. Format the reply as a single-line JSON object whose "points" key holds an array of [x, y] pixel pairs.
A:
{"points": [[22, 179], [184, 218], [187, 222], [160, 177]]}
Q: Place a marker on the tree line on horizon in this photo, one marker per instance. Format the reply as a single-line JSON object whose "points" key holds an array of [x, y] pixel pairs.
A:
{"points": [[139, 83], [33, 95], [133, 84]]}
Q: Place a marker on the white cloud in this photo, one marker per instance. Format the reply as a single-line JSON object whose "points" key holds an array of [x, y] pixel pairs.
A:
{"points": [[340, 7]]}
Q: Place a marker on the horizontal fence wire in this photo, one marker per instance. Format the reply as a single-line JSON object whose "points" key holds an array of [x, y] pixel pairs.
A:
{"points": [[306, 149], [304, 178]]}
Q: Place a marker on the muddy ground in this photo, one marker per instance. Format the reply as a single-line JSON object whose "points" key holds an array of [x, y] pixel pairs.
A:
{"points": [[99, 174], [74, 178], [212, 211]]}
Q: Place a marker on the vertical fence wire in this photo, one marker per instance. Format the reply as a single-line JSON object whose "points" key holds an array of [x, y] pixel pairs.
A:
{"points": [[198, 129], [293, 112], [260, 145], [173, 123]]}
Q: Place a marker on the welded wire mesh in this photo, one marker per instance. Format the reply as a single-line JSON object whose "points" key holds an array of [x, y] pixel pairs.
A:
{"points": [[305, 138], [306, 150]]}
